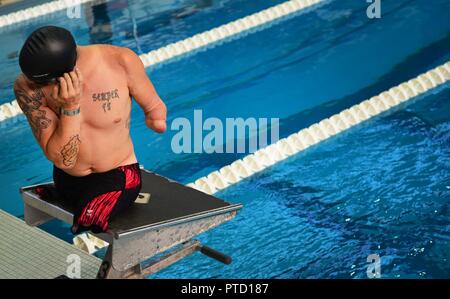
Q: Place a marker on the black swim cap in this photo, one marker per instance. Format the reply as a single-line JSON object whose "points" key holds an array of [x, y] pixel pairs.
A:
{"points": [[48, 53]]}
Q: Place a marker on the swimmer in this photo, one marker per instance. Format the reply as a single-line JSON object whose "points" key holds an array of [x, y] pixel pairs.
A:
{"points": [[77, 100]]}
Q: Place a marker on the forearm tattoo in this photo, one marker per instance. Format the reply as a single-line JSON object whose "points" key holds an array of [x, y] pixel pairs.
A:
{"points": [[105, 98], [69, 152], [31, 106]]}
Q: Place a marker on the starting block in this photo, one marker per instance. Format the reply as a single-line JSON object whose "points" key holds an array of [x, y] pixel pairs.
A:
{"points": [[165, 215]]}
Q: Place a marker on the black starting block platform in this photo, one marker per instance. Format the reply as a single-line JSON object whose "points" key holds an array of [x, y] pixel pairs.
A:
{"points": [[165, 215]]}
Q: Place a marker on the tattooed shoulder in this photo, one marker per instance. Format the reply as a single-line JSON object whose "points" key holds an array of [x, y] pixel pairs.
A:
{"points": [[31, 105]]}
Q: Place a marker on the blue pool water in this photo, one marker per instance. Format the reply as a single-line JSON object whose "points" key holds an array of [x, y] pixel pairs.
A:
{"points": [[138, 24], [374, 189], [380, 188]]}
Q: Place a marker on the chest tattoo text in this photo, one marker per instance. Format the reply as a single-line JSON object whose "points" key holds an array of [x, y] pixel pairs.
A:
{"points": [[105, 98]]}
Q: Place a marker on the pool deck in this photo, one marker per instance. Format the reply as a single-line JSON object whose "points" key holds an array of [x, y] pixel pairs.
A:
{"points": [[29, 252]]}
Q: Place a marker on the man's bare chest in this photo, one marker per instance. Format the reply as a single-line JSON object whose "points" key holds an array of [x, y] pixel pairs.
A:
{"points": [[104, 101]]}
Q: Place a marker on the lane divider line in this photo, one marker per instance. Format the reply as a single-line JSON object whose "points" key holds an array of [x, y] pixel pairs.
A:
{"points": [[297, 142], [192, 43], [38, 11], [226, 31]]}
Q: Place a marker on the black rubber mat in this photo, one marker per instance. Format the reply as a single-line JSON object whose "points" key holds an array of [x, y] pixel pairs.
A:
{"points": [[169, 200]]}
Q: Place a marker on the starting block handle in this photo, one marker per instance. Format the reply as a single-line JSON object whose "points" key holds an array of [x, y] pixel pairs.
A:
{"points": [[212, 253]]}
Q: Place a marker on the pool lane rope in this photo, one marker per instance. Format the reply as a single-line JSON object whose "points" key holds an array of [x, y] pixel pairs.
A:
{"points": [[196, 42], [38, 11], [297, 142]]}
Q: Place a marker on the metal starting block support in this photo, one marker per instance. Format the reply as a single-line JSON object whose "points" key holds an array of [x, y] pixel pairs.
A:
{"points": [[186, 249]]}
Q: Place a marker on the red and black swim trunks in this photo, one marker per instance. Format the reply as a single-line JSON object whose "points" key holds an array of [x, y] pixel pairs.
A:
{"points": [[98, 197]]}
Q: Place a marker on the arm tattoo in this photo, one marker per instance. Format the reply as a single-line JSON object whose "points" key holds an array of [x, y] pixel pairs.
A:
{"points": [[31, 107], [69, 152]]}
